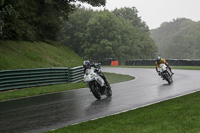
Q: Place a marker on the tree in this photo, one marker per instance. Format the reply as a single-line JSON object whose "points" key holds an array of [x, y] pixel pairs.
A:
{"points": [[7, 14], [74, 30], [37, 19], [178, 39], [131, 14], [101, 34]]}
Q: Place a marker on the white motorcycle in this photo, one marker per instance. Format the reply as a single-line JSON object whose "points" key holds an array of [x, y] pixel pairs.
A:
{"points": [[165, 73], [96, 84]]}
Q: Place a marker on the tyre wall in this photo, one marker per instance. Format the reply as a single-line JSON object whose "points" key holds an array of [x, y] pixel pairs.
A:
{"points": [[171, 62]]}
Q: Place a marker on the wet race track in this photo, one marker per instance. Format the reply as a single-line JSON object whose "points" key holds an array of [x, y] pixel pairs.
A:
{"points": [[47, 112]]}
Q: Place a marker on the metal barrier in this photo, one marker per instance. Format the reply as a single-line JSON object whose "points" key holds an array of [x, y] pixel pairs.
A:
{"points": [[25, 78], [75, 74]]}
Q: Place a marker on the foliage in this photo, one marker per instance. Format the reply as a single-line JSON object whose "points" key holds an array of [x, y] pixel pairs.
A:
{"points": [[35, 20], [73, 30], [7, 14], [98, 35], [131, 15], [94, 2], [178, 39]]}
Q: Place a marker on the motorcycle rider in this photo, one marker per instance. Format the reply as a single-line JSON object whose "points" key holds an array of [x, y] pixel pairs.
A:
{"points": [[162, 61], [88, 65]]}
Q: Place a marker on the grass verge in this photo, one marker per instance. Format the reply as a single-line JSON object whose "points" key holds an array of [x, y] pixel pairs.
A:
{"points": [[179, 115], [18, 93], [116, 78]]}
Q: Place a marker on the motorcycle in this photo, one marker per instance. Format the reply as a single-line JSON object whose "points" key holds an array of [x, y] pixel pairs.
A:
{"points": [[165, 73], [96, 84]]}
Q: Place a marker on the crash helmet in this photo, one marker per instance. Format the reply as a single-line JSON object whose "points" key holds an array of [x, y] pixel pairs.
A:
{"points": [[86, 64], [158, 59]]}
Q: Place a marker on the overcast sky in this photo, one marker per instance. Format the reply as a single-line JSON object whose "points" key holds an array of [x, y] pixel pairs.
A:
{"points": [[155, 12]]}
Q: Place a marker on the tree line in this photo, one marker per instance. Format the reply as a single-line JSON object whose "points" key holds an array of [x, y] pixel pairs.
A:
{"points": [[178, 39], [96, 35]]}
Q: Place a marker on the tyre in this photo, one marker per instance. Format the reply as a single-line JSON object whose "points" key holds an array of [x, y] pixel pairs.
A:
{"points": [[169, 79], [95, 91], [108, 92]]}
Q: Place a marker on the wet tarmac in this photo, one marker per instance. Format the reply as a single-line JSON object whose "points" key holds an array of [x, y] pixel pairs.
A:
{"points": [[48, 112]]}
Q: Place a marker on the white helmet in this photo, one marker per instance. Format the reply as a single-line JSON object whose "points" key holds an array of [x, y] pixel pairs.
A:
{"points": [[158, 59]]}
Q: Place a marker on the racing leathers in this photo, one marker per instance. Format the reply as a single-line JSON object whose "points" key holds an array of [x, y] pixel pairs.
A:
{"points": [[162, 61], [100, 73]]}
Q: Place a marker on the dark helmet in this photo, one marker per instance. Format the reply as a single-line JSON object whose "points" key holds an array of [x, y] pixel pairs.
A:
{"points": [[158, 59], [86, 64]]}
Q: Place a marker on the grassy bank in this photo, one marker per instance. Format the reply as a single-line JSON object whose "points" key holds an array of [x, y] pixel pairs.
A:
{"points": [[180, 115], [21, 55]]}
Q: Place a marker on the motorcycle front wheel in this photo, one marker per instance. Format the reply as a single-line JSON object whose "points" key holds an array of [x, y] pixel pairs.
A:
{"points": [[95, 91], [169, 80], [108, 92]]}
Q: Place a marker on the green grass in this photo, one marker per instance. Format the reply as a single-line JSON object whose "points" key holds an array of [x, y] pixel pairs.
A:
{"points": [[22, 55], [19, 93], [180, 115], [116, 78]]}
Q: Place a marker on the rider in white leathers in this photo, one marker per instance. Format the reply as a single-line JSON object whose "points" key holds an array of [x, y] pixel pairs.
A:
{"points": [[88, 65]]}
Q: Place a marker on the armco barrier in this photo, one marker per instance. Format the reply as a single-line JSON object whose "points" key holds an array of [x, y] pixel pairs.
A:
{"points": [[75, 74], [171, 62], [140, 62], [24, 78]]}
